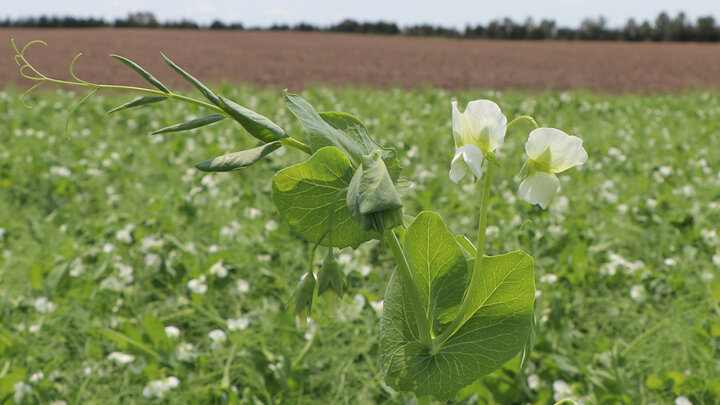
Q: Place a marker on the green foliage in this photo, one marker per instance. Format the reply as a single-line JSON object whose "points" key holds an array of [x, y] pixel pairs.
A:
{"points": [[494, 332], [135, 200], [308, 194], [191, 124], [238, 160]]}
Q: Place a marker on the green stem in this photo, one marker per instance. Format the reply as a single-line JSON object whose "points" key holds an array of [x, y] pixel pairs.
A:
{"points": [[523, 118], [41, 78], [476, 276], [417, 305]]}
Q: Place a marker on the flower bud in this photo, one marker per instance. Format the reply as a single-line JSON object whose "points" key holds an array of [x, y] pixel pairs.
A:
{"points": [[372, 199], [331, 280], [304, 297]]}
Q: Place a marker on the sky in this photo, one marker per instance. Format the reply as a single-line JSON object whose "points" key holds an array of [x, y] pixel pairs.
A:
{"points": [[449, 13]]}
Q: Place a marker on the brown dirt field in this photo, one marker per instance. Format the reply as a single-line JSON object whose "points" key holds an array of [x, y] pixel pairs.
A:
{"points": [[295, 60]]}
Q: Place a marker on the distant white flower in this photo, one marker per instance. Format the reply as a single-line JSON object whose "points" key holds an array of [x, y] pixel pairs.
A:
{"points": [[60, 402], [242, 286], [561, 390], [251, 212], [377, 306], [637, 293], [60, 171], [238, 323], [533, 381], [2, 233], [150, 242], [44, 306], [125, 235], [186, 352], [36, 377], [670, 262], [665, 171], [20, 390], [549, 151], [108, 247], [172, 331], [477, 132], [345, 259], [218, 338], [197, 285], [158, 388], [34, 328], [217, 335], [121, 358], [682, 400], [716, 259], [77, 267], [219, 269], [548, 278], [271, 226]]}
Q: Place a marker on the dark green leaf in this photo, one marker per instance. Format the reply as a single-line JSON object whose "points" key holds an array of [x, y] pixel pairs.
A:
{"points": [[305, 193], [142, 72], [257, 125], [237, 160], [138, 102], [195, 82], [192, 124]]}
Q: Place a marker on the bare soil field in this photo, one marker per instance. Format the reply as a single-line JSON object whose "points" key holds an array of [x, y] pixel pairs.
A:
{"points": [[296, 60]]}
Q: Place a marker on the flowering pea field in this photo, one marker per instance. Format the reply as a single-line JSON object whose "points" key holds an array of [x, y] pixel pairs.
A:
{"points": [[130, 277]]}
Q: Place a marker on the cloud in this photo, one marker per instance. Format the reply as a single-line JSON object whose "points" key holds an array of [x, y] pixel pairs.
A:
{"points": [[278, 11]]}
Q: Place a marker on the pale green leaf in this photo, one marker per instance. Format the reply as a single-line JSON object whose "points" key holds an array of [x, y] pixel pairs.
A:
{"points": [[138, 102], [257, 125], [304, 194], [195, 82], [142, 72], [237, 160], [191, 124], [155, 331]]}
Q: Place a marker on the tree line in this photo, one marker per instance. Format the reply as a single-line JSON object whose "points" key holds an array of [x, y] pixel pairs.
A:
{"points": [[663, 28]]}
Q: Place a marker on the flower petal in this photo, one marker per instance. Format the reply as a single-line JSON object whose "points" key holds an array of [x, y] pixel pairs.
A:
{"points": [[539, 188], [485, 119], [473, 157], [457, 125], [566, 151], [458, 168]]}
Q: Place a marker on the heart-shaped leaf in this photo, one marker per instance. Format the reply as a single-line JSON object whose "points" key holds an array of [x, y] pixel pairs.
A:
{"points": [[305, 193], [494, 331]]}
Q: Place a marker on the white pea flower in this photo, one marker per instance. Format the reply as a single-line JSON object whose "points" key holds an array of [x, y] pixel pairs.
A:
{"points": [[549, 151], [477, 133]]}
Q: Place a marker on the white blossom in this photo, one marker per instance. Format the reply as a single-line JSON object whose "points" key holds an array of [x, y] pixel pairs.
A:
{"points": [[238, 323], [549, 151], [121, 358], [477, 132]]}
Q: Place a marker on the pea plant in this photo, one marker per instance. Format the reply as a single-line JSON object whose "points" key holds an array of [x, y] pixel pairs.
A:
{"points": [[451, 314]]}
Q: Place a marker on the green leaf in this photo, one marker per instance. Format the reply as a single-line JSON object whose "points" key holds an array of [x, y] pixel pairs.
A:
{"points": [[340, 130], [494, 332], [138, 102], [304, 194], [195, 82], [156, 331], [237, 160], [192, 124], [257, 125], [372, 198], [142, 72]]}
